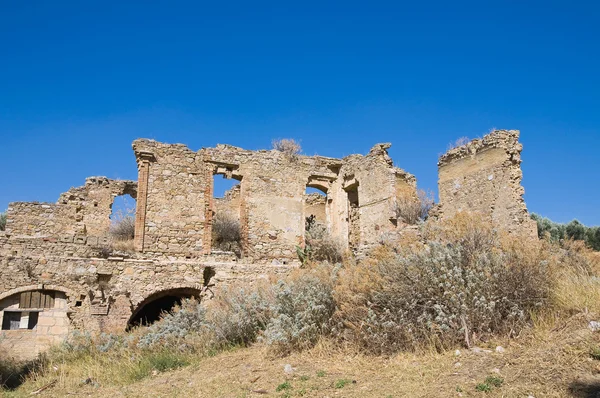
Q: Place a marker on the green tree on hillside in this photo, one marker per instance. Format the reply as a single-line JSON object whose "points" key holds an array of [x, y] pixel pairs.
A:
{"points": [[573, 230]]}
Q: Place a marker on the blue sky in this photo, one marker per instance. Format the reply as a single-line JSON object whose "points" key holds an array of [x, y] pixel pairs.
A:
{"points": [[79, 81]]}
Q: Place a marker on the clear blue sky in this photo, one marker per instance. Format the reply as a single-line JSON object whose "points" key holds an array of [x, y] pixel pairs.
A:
{"points": [[80, 80]]}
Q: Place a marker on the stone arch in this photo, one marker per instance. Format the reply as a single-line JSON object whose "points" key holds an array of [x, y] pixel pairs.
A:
{"points": [[149, 309], [68, 292]]}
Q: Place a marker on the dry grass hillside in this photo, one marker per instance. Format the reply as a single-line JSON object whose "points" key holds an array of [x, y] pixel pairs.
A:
{"points": [[464, 313]]}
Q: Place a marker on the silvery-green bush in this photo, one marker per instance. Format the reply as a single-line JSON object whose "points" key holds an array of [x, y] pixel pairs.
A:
{"points": [[449, 294], [240, 315], [190, 318], [302, 312], [287, 315]]}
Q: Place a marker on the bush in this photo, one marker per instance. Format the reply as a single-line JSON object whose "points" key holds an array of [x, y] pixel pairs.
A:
{"points": [[320, 245], [413, 209], [290, 314], [175, 326], [454, 291], [288, 146], [2, 221], [238, 315], [574, 230], [123, 228], [226, 233], [302, 313]]}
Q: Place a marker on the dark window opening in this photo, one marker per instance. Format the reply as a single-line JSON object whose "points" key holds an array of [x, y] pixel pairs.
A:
{"points": [[13, 320], [154, 309], [33, 320], [353, 218]]}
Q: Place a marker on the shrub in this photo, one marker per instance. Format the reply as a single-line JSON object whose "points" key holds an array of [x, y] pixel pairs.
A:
{"points": [[2, 221], [238, 315], [123, 228], [574, 230], [320, 245], [411, 209], [226, 232], [446, 294], [288, 146], [302, 312], [172, 329]]}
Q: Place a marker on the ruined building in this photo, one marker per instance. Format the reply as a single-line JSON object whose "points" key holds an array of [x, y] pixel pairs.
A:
{"points": [[60, 271]]}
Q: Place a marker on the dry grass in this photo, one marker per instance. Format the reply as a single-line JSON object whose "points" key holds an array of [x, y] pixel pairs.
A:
{"points": [[546, 361], [411, 209], [288, 146]]}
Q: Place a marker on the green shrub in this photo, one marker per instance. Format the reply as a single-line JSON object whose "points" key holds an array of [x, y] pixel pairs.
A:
{"points": [[574, 230], [2, 221]]}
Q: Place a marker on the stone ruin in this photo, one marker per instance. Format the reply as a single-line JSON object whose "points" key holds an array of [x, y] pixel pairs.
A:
{"points": [[59, 271]]}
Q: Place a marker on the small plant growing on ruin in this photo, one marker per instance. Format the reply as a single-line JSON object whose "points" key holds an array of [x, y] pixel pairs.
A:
{"points": [[2, 221], [411, 209], [122, 226], [288, 146], [226, 232], [458, 143], [123, 229], [320, 245]]}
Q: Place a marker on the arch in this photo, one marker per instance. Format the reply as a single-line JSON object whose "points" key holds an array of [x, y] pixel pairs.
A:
{"points": [[68, 292], [149, 310]]}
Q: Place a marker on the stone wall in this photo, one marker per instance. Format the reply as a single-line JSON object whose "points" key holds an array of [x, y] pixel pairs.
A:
{"points": [[66, 246], [83, 211], [485, 176]]}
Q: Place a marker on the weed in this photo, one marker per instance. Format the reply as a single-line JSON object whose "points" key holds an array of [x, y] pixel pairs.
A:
{"points": [[483, 387], [321, 373], [494, 381], [489, 383], [284, 386], [341, 383], [595, 353]]}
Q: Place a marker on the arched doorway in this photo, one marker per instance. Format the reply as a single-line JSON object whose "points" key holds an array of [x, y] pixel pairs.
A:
{"points": [[151, 309]]}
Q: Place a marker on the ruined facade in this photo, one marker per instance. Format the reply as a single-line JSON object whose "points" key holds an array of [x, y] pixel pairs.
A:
{"points": [[61, 270], [485, 176]]}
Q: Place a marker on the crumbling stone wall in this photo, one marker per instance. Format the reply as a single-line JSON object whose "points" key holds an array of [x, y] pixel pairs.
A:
{"points": [[65, 247], [83, 211], [270, 198], [485, 176]]}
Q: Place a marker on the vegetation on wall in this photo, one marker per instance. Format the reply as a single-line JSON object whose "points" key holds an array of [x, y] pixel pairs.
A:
{"points": [[2, 221], [573, 230]]}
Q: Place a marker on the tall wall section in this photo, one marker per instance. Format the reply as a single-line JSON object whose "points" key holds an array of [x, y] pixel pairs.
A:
{"points": [[485, 176]]}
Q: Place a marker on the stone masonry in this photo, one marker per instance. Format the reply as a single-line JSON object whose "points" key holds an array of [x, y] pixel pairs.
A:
{"points": [[60, 269]]}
